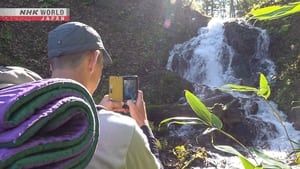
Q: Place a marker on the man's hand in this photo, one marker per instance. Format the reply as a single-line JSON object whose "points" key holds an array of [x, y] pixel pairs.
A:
{"points": [[112, 105], [138, 110]]}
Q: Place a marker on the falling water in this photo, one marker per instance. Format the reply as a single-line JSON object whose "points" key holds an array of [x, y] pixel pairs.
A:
{"points": [[211, 57], [262, 54], [205, 65], [207, 59]]}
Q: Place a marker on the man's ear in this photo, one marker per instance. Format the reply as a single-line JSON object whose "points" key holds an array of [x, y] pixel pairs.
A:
{"points": [[93, 60]]}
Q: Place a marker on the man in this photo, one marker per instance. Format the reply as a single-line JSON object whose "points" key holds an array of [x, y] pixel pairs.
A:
{"points": [[76, 51]]}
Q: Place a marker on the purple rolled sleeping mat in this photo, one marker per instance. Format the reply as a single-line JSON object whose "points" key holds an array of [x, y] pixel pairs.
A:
{"points": [[50, 123]]}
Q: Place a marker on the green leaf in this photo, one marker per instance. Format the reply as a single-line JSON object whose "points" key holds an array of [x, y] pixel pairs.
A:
{"points": [[237, 88], [228, 149], [275, 12], [181, 120], [271, 162], [198, 107], [263, 91], [202, 111], [264, 88], [216, 121]]}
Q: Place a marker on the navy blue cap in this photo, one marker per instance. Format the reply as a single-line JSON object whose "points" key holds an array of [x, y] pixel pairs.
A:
{"points": [[75, 37]]}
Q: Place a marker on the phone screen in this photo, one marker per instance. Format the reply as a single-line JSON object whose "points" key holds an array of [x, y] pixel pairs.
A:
{"points": [[130, 88]]}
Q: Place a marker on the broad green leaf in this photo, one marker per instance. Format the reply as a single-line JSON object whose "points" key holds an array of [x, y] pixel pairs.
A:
{"points": [[248, 165], [228, 149], [264, 88], [216, 121], [271, 162], [202, 111], [181, 120], [275, 12], [198, 107], [262, 11], [238, 88]]}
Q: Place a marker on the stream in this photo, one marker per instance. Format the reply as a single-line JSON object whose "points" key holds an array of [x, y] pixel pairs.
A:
{"points": [[208, 59]]}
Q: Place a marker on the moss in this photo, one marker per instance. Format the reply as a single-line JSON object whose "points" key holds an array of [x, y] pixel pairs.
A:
{"points": [[284, 29], [169, 87], [6, 34]]}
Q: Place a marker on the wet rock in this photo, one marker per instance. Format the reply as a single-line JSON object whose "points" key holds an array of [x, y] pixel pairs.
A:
{"points": [[294, 116], [169, 87], [243, 39]]}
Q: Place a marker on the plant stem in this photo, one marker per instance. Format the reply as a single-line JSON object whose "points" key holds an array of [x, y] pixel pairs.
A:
{"points": [[276, 114], [237, 141]]}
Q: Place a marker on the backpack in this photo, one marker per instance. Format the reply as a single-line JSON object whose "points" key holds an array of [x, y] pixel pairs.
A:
{"points": [[14, 75]]}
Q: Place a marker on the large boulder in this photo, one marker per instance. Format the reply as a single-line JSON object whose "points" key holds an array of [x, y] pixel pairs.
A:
{"points": [[243, 40]]}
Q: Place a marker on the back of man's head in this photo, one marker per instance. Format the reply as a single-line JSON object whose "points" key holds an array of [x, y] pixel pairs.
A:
{"points": [[72, 40]]}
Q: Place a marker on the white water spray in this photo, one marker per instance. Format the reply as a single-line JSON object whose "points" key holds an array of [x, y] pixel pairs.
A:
{"points": [[205, 65]]}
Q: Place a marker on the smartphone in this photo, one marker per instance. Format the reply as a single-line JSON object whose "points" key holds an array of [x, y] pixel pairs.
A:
{"points": [[123, 88]]}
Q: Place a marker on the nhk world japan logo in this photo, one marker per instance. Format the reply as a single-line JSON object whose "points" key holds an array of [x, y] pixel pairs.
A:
{"points": [[34, 14]]}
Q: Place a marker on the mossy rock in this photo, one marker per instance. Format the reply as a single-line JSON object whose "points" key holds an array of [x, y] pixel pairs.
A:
{"points": [[163, 87]]}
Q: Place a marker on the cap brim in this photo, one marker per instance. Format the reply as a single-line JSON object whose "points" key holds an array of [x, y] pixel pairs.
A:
{"points": [[107, 58]]}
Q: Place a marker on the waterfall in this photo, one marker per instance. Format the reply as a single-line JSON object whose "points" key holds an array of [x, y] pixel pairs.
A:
{"points": [[208, 59], [205, 65], [262, 51]]}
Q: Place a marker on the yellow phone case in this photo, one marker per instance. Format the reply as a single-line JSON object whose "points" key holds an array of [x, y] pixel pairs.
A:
{"points": [[116, 88]]}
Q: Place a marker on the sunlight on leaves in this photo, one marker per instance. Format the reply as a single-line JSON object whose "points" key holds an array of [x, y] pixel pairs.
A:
{"points": [[237, 88], [297, 160], [274, 12], [200, 154], [180, 152], [264, 88], [263, 91]]}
